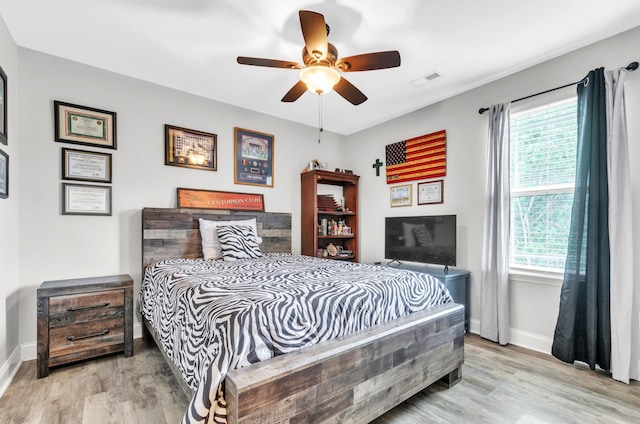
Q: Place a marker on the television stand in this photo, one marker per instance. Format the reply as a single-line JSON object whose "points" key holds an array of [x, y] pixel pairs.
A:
{"points": [[456, 280]]}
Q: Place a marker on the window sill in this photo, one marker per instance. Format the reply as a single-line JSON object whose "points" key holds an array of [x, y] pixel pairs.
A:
{"points": [[549, 278]]}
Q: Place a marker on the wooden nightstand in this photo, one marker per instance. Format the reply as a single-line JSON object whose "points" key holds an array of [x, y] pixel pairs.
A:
{"points": [[84, 318]]}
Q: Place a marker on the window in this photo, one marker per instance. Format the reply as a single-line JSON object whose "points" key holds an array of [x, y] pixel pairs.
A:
{"points": [[543, 164]]}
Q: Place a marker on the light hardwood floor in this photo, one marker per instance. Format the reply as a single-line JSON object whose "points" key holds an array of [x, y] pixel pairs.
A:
{"points": [[499, 385]]}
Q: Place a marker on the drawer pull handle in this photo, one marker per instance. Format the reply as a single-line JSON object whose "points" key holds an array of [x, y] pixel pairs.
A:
{"points": [[74, 338], [102, 305]]}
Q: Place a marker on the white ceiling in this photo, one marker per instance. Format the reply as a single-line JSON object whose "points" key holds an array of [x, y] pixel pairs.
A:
{"points": [[192, 45]]}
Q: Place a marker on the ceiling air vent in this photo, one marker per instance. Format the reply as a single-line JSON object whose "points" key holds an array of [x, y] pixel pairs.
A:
{"points": [[423, 79]]}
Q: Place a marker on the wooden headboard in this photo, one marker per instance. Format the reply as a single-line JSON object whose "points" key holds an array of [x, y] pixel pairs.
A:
{"points": [[175, 233]]}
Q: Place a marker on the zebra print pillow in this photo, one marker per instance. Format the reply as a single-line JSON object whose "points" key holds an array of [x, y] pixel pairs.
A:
{"points": [[238, 242]]}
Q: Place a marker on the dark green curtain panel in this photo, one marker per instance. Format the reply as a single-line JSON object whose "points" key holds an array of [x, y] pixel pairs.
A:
{"points": [[583, 330]]}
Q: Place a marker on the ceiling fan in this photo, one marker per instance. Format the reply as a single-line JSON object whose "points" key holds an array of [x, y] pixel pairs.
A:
{"points": [[321, 70]]}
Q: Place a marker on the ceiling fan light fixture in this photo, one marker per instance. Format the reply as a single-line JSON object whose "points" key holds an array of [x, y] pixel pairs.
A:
{"points": [[319, 79]]}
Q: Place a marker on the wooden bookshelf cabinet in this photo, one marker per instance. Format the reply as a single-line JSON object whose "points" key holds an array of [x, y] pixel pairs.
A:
{"points": [[313, 212], [84, 318]]}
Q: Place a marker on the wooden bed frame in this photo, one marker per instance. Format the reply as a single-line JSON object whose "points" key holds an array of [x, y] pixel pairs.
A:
{"points": [[351, 379]]}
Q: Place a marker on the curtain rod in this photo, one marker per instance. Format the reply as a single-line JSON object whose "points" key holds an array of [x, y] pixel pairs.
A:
{"points": [[630, 67]]}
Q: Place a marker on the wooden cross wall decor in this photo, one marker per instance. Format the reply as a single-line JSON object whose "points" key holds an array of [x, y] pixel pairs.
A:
{"points": [[377, 166]]}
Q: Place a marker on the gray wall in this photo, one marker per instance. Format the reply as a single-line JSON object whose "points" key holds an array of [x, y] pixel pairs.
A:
{"points": [[9, 275]]}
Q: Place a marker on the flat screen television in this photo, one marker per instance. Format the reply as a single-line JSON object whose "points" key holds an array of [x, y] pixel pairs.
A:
{"points": [[424, 239]]}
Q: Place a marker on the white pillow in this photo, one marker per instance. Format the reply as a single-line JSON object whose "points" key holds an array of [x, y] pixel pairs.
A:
{"points": [[211, 248]]}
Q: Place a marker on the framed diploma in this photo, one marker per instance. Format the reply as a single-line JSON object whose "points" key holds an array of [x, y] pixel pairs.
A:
{"points": [[81, 199], [81, 165], [3, 107], [4, 175], [431, 192], [84, 125], [253, 158]]}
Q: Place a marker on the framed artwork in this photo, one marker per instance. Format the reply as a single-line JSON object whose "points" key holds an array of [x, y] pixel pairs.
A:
{"points": [[190, 148], [4, 175], [3, 107], [208, 199], [82, 199], [81, 165], [431, 192], [84, 125], [401, 196], [253, 158]]}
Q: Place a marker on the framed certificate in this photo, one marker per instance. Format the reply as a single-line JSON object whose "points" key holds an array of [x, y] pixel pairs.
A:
{"points": [[431, 192], [401, 196], [84, 125], [4, 175], [81, 199], [81, 165], [3, 107]]}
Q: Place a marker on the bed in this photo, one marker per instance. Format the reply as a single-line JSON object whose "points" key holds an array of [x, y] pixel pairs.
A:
{"points": [[349, 372]]}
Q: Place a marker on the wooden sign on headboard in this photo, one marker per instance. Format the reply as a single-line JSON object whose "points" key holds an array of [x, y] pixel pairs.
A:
{"points": [[208, 199]]}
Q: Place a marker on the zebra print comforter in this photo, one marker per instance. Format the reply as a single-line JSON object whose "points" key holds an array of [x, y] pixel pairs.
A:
{"points": [[213, 316]]}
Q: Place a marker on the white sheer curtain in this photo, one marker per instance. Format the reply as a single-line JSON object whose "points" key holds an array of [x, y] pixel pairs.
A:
{"points": [[620, 231], [494, 318]]}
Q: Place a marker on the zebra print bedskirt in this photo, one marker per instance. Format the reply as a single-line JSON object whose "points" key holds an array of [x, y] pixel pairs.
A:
{"points": [[213, 316]]}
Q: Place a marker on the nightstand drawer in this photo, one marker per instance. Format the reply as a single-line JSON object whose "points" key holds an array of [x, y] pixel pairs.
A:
{"points": [[83, 336], [88, 307]]}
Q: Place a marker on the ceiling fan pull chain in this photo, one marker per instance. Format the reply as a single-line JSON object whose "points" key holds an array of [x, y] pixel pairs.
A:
{"points": [[320, 129]]}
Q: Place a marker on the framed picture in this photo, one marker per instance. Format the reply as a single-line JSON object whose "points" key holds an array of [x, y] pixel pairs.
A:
{"points": [[208, 199], [81, 165], [431, 192], [190, 148], [84, 125], [3, 107], [401, 196], [253, 158], [4, 175], [81, 199]]}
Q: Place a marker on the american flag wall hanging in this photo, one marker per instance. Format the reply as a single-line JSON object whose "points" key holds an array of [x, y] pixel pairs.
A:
{"points": [[418, 158]]}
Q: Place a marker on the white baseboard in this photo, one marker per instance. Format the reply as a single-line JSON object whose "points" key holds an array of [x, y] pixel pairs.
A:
{"points": [[9, 369], [530, 341], [520, 338], [137, 330], [28, 351], [474, 326]]}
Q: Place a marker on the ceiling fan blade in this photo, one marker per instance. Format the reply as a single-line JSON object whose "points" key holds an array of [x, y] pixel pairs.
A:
{"points": [[349, 92], [270, 63], [295, 92], [369, 61], [314, 31]]}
